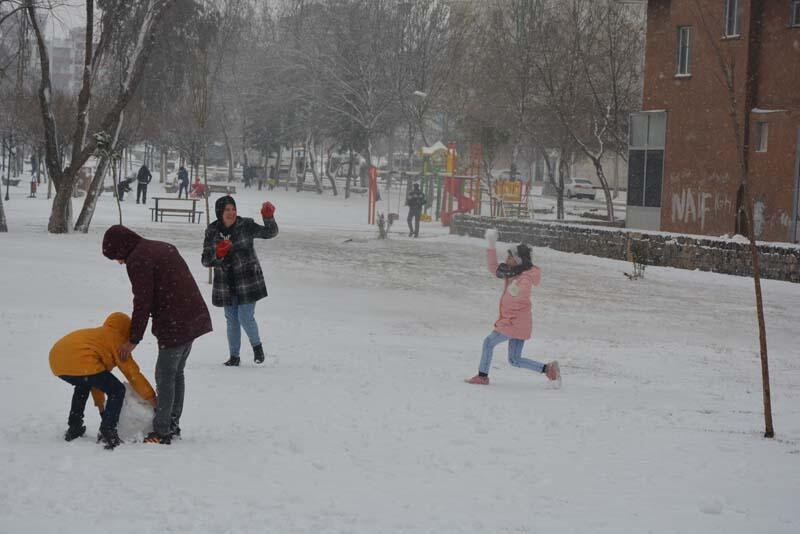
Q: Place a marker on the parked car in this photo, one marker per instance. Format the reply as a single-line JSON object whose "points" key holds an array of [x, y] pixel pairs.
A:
{"points": [[579, 188]]}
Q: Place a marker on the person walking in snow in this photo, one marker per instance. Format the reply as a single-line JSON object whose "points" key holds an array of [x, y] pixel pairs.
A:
{"points": [[164, 288], [238, 279], [414, 200], [515, 322], [143, 177], [84, 359], [183, 181]]}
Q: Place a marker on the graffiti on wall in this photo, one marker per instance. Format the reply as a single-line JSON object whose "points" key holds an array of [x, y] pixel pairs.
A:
{"points": [[694, 206]]}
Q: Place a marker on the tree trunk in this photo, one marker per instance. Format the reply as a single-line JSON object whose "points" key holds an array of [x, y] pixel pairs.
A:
{"points": [[3, 223], [94, 192], [229, 152], [349, 178], [598, 167], [61, 214], [96, 187], [206, 195], [562, 172], [314, 173], [292, 172], [331, 179]]}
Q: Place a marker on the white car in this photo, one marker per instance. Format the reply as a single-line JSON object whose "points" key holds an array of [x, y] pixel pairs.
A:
{"points": [[579, 188]]}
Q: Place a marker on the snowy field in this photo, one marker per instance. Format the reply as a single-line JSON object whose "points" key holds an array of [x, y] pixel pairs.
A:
{"points": [[361, 422]]}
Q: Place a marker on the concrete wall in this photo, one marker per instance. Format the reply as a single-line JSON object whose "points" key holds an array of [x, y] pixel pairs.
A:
{"points": [[779, 262]]}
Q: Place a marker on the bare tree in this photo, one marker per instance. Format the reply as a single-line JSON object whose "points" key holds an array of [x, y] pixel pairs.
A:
{"points": [[149, 13], [730, 78]]}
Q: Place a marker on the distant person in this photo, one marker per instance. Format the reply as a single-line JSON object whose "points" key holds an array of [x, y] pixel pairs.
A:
{"points": [[183, 181], [143, 177], [514, 323], [123, 186], [35, 167], [198, 188], [163, 288], [272, 181], [414, 200], [238, 279], [84, 359]]}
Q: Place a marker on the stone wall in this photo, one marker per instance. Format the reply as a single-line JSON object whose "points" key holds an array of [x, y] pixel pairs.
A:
{"points": [[779, 262]]}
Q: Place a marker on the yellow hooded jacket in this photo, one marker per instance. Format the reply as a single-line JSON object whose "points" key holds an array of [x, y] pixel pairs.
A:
{"points": [[93, 350]]}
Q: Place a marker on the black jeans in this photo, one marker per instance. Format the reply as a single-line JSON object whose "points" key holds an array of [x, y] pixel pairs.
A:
{"points": [[141, 191], [170, 386], [185, 188], [413, 215], [105, 382]]}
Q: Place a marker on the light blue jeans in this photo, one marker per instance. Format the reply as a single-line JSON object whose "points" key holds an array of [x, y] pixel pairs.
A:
{"points": [[514, 353], [237, 317]]}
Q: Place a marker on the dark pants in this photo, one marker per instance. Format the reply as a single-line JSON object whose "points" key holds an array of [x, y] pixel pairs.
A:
{"points": [[413, 215], [105, 382], [141, 191], [170, 387], [185, 188]]}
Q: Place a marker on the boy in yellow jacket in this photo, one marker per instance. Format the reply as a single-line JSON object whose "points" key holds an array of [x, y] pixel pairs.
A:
{"points": [[85, 358]]}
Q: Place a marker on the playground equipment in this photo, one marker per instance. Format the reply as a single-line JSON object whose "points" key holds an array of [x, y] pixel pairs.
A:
{"points": [[464, 189], [510, 198], [453, 191]]}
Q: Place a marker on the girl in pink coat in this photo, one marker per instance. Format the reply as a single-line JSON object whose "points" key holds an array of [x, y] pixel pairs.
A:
{"points": [[514, 323]]}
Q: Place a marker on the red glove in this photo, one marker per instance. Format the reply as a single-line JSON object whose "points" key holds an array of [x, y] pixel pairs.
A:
{"points": [[267, 210], [223, 247]]}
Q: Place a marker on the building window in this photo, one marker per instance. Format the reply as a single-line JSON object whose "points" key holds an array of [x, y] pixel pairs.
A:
{"points": [[762, 132], [684, 51], [647, 132], [732, 18], [795, 19]]}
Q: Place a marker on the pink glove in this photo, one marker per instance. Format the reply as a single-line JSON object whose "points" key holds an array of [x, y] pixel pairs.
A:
{"points": [[267, 210]]}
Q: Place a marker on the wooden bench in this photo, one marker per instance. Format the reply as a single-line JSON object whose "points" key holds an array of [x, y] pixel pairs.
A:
{"points": [[218, 188], [174, 207]]}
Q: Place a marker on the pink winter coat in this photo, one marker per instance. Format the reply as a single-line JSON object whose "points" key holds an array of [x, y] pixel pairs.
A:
{"points": [[515, 305]]}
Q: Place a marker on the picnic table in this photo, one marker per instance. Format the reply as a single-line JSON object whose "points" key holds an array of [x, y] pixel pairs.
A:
{"points": [[175, 207], [220, 188]]}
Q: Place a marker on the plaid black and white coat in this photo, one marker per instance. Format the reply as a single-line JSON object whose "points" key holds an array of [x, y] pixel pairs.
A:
{"points": [[238, 274]]}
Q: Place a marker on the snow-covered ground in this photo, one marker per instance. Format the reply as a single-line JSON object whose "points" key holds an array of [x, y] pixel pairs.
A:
{"points": [[362, 424]]}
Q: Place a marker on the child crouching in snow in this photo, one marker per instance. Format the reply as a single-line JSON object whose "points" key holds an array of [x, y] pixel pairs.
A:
{"points": [[514, 324], [85, 358]]}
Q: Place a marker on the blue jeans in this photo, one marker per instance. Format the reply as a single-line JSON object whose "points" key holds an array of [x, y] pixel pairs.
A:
{"points": [[237, 317], [514, 353]]}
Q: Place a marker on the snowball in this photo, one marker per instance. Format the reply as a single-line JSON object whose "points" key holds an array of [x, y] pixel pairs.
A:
{"points": [[136, 417]]}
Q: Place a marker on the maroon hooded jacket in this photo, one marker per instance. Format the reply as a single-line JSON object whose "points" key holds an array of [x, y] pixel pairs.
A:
{"points": [[162, 286]]}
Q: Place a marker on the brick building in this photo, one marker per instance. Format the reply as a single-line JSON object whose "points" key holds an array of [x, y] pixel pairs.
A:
{"points": [[684, 167]]}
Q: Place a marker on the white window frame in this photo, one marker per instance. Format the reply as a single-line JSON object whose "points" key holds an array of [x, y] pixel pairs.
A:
{"points": [[794, 19], [684, 62], [762, 129], [735, 31]]}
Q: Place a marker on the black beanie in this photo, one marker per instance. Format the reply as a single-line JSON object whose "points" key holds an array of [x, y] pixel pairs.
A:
{"points": [[219, 205], [524, 252]]}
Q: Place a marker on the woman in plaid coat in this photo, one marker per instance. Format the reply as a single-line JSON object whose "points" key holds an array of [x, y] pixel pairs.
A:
{"points": [[238, 279]]}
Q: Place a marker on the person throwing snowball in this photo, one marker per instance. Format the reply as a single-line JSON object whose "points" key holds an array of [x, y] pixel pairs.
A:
{"points": [[238, 279], [515, 322]]}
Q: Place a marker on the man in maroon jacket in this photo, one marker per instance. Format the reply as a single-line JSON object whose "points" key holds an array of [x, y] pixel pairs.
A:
{"points": [[164, 288]]}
